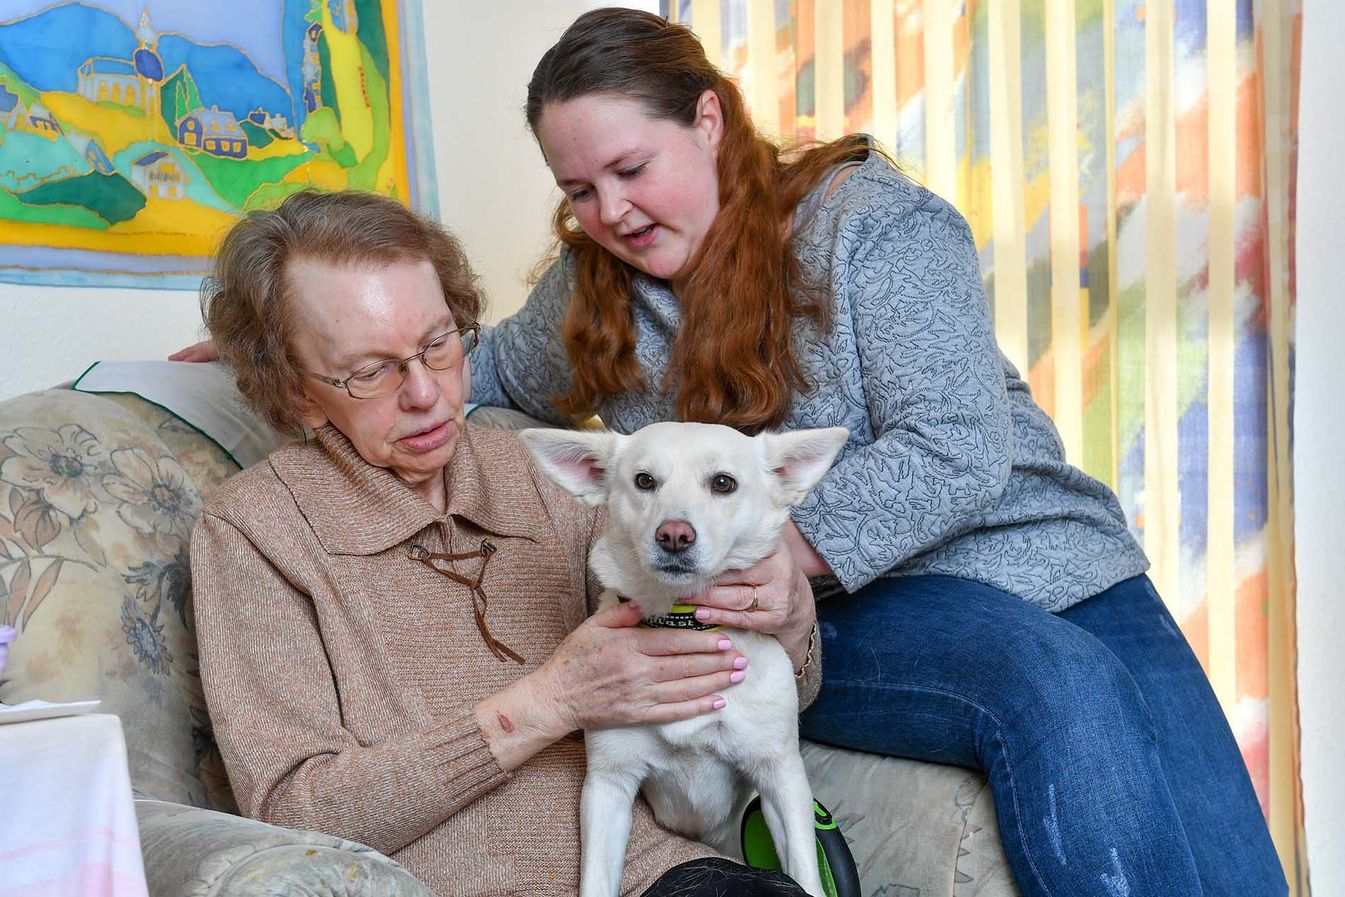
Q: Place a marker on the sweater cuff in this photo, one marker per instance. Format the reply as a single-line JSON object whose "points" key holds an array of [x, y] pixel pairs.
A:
{"points": [[459, 760], [808, 680], [842, 556]]}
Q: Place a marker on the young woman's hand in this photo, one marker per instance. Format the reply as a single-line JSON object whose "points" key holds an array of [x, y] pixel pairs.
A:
{"points": [[772, 596], [202, 351]]}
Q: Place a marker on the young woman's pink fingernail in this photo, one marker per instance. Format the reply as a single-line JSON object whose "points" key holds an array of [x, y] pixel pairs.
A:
{"points": [[719, 703], [725, 644], [737, 676], [740, 663], [702, 614]]}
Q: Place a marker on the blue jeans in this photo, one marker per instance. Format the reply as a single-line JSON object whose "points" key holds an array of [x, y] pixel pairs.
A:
{"points": [[1112, 767]]}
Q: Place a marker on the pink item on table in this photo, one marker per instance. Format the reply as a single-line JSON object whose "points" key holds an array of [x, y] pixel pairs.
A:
{"points": [[7, 635]]}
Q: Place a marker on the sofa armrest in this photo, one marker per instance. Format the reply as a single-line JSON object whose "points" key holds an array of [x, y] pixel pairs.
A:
{"points": [[192, 852]]}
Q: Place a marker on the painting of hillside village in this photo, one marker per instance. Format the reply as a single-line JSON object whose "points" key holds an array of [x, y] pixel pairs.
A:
{"points": [[134, 132]]}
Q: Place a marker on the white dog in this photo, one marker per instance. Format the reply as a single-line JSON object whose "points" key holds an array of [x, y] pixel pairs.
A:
{"points": [[686, 503]]}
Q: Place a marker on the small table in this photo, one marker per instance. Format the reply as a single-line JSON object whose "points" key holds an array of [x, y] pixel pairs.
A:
{"points": [[67, 819]]}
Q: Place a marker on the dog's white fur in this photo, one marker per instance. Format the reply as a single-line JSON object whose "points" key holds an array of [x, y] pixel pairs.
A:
{"points": [[698, 774]]}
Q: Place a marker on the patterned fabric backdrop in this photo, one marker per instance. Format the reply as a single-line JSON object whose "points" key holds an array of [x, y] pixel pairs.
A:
{"points": [[1127, 169]]}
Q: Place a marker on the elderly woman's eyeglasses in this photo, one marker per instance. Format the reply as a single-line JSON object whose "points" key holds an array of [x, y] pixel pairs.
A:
{"points": [[382, 378]]}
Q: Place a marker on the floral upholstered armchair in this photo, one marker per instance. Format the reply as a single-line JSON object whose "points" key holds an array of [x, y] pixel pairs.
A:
{"points": [[98, 494]]}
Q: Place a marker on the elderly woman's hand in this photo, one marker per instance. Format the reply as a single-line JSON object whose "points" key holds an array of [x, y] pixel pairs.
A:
{"points": [[611, 672], [772, 596]]}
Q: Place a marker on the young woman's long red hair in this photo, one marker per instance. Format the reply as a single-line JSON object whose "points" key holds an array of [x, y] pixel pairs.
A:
{"points": [[733, 361]]}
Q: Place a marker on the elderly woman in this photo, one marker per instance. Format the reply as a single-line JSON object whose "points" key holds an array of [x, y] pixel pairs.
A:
{"points": [[392, 613]]}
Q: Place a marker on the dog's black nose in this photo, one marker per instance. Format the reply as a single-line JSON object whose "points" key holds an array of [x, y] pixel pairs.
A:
{"points": [[675, 535]]}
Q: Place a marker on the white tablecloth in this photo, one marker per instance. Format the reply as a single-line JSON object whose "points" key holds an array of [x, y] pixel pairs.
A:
{"points": [[67, 820]]}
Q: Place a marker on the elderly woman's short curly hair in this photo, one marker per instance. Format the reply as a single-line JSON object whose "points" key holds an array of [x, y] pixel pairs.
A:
{"points": [[246, 299]]}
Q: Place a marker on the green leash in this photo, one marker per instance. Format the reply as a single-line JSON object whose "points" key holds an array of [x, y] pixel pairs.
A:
{"points": [[840, 876]]}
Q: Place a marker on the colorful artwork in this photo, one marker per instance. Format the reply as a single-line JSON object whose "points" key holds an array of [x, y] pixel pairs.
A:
{"points": [[134, 132]]}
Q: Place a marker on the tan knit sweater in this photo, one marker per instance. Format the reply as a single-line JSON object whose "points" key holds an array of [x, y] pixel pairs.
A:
{"points": [[340, 674]]}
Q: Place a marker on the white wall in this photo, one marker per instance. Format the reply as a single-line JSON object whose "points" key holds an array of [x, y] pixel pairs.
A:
{"points": [[1319, 440], [494, 193], [49, 335]]}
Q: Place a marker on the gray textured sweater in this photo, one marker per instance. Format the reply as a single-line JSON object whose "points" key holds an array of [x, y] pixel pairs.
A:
{"points": [[951, 467]]}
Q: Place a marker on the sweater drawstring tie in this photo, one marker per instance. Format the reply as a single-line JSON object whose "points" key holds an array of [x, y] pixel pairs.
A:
{"points": [[479, 600]]}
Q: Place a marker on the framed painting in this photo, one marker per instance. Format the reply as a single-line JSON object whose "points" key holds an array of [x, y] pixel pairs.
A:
{"points": [[134, 132]]}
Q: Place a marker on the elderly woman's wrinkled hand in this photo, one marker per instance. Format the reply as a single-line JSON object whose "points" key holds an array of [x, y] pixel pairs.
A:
{"points": [[612, 672], [772, 596]]}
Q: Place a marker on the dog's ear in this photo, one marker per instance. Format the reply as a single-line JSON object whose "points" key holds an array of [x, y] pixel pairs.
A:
{"points": [[576, 460], [800, 459]]}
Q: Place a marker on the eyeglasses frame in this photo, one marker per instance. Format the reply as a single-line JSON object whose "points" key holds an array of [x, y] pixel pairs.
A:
{"points": [[344, 383]]}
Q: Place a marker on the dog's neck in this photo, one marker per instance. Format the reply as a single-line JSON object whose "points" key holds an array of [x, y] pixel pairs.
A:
{"points": [[655, 596]]}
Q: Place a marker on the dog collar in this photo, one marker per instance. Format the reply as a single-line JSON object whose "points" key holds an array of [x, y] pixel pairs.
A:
{"points": [[679, 616]]}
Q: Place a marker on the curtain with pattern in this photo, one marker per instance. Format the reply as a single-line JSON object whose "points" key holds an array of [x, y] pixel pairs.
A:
{"points": [[1127, 169]]}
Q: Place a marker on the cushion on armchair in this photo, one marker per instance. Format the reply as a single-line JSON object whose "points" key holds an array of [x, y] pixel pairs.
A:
{"points": [[203, 397], [915, 828]]}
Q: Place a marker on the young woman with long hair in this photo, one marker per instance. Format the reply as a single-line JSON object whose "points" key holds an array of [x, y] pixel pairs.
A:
{"points": [[988, 604]]}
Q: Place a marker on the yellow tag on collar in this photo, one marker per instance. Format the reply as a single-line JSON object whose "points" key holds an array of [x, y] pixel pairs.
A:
{"points": [[679, 616]]}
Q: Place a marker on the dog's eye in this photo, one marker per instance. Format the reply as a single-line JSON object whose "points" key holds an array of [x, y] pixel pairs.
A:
{"points": [[644, 482], [723, 484]]}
